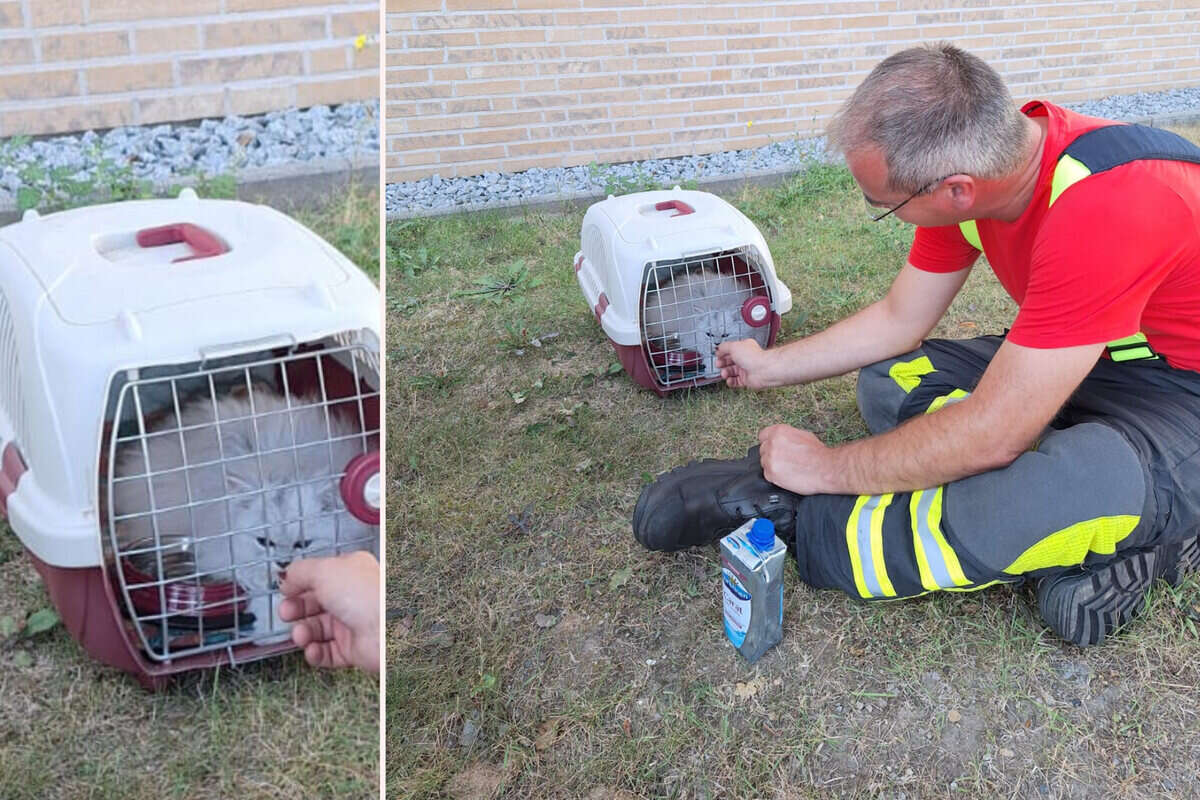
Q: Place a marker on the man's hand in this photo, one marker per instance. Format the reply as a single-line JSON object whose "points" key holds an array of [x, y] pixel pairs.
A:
{"points": [[334, 603], [794, 459], [744, 364]]}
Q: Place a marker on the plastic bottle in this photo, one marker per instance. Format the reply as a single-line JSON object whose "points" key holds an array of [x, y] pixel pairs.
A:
{"points": [[752, 581]]}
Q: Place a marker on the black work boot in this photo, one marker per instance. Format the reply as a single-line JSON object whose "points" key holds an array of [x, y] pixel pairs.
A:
{"points": [[1086, 604], [702, 501]]}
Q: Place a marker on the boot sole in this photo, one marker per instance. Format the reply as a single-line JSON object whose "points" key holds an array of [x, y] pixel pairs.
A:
{"points": [[1187, 562], [1084, 608], [1087, 606]]}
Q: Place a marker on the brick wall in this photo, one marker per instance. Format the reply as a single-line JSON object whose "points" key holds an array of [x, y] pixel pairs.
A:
{"points": [[505, 85], [70, 65]]}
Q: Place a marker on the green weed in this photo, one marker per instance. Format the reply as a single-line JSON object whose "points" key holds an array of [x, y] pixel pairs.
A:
{"points": [[57, 188], [508, 283], [618, 184]]}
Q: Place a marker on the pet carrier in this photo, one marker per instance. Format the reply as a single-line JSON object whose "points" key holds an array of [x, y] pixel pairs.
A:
{"points": [[189, 401], [670, 275]]}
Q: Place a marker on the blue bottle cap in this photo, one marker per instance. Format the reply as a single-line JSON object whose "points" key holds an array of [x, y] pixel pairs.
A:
{"points": [[762, 534]]}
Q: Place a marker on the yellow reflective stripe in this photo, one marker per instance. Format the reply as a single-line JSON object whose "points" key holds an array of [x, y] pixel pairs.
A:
{"points": [[974, 588], [1067, 173], [1125, 349], [1133, 354], [934, 519], [916, 521], [938, 402], [970, 232], [908, 373], [877, 545], [936, 560], [1137, 338], [1071, 545], [864, 541], [852, 545]]}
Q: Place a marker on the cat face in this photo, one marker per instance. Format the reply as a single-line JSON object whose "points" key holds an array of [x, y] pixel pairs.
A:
{"points": [[708, 327], [283, 519], [695, 311]]}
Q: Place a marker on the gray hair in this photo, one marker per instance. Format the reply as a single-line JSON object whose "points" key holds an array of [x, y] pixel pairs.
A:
{"points": [[933, 110]]}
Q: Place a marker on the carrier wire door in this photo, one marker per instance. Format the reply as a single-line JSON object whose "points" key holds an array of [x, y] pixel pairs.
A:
{"points": [[689, 306], [196, 565]]}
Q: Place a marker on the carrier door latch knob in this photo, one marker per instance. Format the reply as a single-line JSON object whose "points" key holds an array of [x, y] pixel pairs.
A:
{"points": [[361, 487], [756, 311]]}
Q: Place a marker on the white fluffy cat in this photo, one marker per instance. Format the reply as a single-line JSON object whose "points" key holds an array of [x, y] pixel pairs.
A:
{"points": [[261, 495], [699, 309]]}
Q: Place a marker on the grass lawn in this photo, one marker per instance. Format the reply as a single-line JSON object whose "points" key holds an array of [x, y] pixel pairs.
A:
{"points": [[73, 728], [535, 650]]}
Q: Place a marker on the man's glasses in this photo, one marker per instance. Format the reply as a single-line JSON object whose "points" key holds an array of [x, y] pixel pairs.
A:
{"points": [[920, 191]]}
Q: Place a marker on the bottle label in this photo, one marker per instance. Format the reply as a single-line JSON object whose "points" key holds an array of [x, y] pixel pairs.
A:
{"points": [[737, 608]]}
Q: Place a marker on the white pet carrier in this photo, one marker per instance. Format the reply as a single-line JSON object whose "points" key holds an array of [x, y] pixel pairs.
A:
{"points": [[155, 354], [670, 275]]}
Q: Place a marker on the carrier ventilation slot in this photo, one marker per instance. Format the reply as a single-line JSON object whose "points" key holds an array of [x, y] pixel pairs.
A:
{"points": [[10, 394]]}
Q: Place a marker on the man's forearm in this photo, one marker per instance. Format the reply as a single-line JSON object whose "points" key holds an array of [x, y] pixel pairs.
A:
{"points": [[926, 451], [863, 338], [1015, 399]]}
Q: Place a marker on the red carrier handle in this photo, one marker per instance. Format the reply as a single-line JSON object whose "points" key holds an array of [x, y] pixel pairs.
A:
{"points": [[204, 243], [678, 205]]}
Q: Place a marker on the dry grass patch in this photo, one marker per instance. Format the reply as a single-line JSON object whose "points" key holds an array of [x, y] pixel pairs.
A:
{"points": [[537, 651]]}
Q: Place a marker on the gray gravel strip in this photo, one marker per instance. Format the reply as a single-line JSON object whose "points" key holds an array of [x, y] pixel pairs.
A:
{"points": [[164, 153], [1142, 105], [437, 195]]}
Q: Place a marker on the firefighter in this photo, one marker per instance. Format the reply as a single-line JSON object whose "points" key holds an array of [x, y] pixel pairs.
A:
{"points": [[1065, 451]]}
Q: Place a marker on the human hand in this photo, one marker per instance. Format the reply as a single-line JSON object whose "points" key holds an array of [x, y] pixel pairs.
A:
{"points": [[334, 605], [794, 459], [743, 364]]}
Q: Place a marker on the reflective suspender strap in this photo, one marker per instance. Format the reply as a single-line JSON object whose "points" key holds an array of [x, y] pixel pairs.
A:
{"points": [[1096, 151], [970, 232], [1101, 149], [1131, 348], [1068, 172]]}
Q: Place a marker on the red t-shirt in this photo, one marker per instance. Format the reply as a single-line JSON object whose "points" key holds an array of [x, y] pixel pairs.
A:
{"points": [[1118, 253]]}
